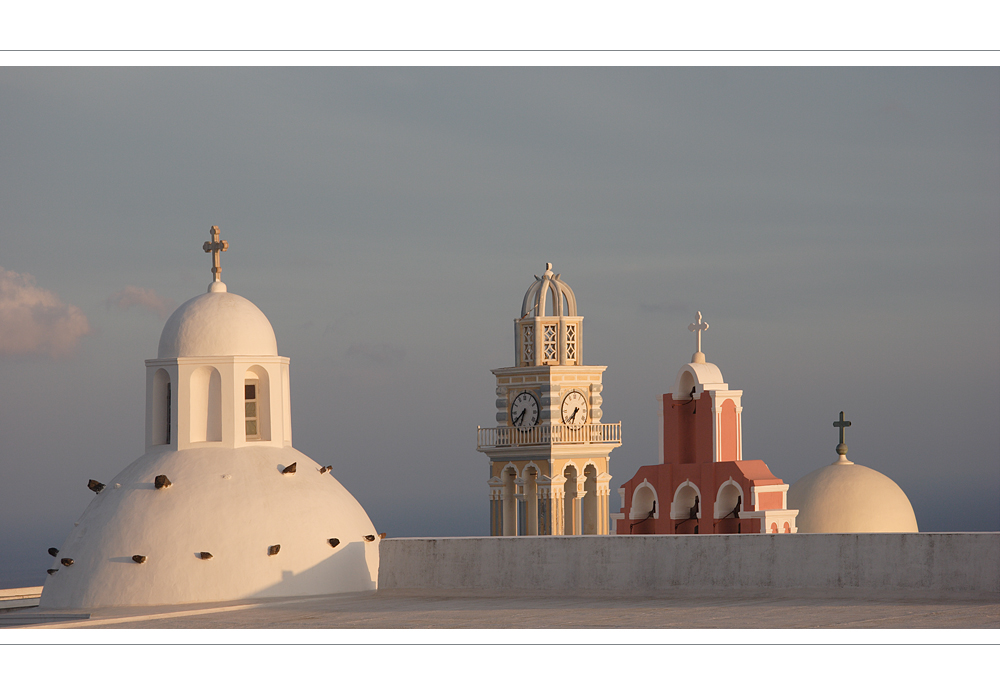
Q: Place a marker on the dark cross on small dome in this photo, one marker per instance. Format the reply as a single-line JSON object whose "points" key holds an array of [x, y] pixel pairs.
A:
{"points": [[842, 424], [215, 247]]}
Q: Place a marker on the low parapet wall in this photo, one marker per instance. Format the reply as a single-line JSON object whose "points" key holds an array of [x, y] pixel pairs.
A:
{"points": [[900, 564]]}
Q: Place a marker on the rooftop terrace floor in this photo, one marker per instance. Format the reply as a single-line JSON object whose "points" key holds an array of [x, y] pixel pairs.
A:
{"points": [[408, 609]]}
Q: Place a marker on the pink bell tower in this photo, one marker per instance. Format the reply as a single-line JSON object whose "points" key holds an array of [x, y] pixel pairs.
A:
{"points": [[702, 484]]}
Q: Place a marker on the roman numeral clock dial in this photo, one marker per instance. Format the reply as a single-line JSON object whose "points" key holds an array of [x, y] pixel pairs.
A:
{"points": [[524, 411], [574, 409]]}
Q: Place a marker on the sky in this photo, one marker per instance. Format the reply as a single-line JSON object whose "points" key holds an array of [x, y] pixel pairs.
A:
{"points": [[838, 227]]}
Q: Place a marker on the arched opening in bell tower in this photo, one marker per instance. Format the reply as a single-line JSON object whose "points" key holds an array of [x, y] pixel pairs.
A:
{"points": [[728, 507], [571, 503], [160, 406], [590, 500], [509, 478], [686, 508], [531, 499], [643, 510]]}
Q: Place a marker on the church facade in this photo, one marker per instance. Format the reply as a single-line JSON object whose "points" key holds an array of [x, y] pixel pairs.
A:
{"points": [[549, 455], [702, 484], [220, 506]]}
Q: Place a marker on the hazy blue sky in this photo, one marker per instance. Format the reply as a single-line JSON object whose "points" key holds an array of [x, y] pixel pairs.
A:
{"points": [[838, 227]]}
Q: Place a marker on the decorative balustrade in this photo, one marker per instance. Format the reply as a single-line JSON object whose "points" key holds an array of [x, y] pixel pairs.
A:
{"points": [[591, 433]]}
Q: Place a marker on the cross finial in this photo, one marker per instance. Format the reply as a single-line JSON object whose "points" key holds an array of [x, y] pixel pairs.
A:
{"points": [[215, 247], [842, 424], [698, 327]]}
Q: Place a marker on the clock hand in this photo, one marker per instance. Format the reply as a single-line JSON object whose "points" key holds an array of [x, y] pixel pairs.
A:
{"points": [[519, 417], [572, 418]]}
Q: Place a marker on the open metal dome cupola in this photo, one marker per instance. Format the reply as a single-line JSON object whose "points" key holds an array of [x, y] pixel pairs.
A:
{"points": [[549, 331], [535, 299]]}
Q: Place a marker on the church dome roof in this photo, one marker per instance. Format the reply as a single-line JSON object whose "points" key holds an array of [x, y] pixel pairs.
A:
{"points": [[217, 323], [263, 533], [563, 299], [847, 498]]}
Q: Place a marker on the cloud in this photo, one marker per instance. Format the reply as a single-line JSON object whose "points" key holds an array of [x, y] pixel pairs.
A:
{"points": [[33, 321], [142, 297], [378, 353]]}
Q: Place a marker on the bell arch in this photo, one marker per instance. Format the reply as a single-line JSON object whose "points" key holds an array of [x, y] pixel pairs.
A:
{"points": [[728, 507], [645, 508], [685, 496], [686, 508], [730, 493]]}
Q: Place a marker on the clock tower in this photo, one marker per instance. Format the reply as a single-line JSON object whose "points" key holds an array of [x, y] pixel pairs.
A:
{"points": [[549, 453]]}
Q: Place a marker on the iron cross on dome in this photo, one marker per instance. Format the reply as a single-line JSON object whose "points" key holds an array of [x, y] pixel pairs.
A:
{"points": [[215, 247], [842, 424]]}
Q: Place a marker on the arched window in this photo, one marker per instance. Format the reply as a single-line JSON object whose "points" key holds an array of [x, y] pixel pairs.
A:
{"points": [[571, 504], [530, 476], [509, 478], [257, 397], [161, 406], [590, 500]]}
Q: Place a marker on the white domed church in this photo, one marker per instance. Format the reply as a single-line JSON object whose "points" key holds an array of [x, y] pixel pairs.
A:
{"points": [[221, 506], [848, 498]]}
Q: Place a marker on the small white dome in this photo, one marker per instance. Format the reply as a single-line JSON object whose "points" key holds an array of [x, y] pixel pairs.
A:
{"points": [[214, 324], [563, 299], [846, 498], [235, 504]]}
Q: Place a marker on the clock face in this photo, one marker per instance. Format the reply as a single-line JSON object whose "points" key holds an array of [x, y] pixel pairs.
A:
{"points": [[574, 409], [524, 411]]}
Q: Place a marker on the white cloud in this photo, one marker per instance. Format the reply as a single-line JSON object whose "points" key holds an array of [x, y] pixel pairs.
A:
{"points": [[140, 296], [33, 320]]}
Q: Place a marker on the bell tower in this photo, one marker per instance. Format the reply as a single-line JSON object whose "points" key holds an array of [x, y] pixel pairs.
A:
{"points": [[549, 453]]}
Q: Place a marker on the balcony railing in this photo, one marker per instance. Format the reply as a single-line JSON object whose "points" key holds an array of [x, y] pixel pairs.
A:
{"points": [[591, 433]]}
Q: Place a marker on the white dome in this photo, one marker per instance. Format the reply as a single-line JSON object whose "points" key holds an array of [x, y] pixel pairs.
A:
{"points": [[217, 323], [232, 503], [846, 498]]}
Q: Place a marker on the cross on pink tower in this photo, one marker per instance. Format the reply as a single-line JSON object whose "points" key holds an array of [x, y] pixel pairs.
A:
{"points": [[215, 247], [697, 328]]}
